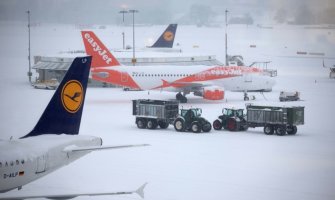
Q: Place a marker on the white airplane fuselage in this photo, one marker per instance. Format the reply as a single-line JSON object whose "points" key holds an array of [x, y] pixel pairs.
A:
{"points": [[25, 160]]}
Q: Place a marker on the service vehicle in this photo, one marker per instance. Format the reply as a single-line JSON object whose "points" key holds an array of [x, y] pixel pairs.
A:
{"points": [[153, 113], [289, 96], [191, 120], [279, 120]]}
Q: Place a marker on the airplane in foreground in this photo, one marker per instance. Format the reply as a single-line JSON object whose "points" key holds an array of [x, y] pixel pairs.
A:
{"points": [[54, 142], [209, 82]]}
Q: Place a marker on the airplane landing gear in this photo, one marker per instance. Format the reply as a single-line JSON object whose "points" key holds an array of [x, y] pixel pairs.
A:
{"points": [[181, 98], [246, 98]]}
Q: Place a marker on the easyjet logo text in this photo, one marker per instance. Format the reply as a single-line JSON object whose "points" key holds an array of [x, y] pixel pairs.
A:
{"points": [[96, 48]]}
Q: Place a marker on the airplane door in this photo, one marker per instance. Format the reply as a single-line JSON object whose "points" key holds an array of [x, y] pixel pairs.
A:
{"points": [[124, 77], [41, 164]]}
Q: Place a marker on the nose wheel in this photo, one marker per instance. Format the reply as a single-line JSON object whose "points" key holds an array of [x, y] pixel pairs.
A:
{"points": [[181, 98]]}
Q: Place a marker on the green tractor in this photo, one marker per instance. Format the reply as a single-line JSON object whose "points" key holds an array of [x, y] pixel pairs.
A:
{"points": [[191, 120], [231, 119]]}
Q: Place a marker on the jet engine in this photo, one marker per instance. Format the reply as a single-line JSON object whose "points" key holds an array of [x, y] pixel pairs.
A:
{"points": [[211, 93]]}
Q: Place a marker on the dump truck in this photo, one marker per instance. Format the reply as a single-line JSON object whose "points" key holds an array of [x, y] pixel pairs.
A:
{"points": [[279, 120], [153, 113]]}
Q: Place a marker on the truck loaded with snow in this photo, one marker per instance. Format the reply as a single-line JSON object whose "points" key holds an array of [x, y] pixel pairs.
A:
{"points": [[279, 120]]}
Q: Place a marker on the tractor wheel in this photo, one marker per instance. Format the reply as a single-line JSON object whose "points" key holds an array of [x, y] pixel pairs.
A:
{"points": [[231, 124], [268, 130], [217, 125], [141, 123], [179, 125], [291, 130], [280, 130], [152, 124], [207, 127], [163, 124], [196, 127]]}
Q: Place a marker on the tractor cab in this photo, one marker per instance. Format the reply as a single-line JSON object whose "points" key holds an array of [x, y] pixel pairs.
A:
{"points": [[230, 112], [192, 113]]}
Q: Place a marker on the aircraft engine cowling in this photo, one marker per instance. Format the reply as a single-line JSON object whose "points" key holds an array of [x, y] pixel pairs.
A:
{"points": [[211, 93]]}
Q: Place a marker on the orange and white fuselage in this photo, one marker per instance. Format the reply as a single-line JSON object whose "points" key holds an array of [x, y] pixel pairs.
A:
{"points": [[181, 78], [206, 81]]}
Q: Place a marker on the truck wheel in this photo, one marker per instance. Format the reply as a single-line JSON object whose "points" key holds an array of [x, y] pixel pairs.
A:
{"points": [[196, 127], [268, 130], [291, 130], [152, 124], [217, 125], [163, 124], [207, 127], [280, 130], [141, 123], [179, 125], [231, 124]]}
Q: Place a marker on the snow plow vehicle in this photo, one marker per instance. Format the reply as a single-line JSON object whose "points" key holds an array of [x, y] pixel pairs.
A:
{"points": [[279, 120], [153, 113], [191, 120]]}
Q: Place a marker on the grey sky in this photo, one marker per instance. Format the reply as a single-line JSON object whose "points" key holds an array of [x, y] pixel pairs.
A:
{"points": [[160, 11]]}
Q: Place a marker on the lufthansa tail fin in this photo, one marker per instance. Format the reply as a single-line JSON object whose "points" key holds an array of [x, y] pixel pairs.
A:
{"points": [[102, 57], [63, 113], [167, 38]]}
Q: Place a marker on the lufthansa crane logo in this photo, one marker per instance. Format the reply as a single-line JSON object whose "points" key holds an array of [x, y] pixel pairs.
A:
{"points": [[72, 96], [168, 36]]}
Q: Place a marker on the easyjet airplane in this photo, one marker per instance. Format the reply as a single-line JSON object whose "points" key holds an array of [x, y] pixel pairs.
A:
{"points": [[54, 142], [210, 82]]}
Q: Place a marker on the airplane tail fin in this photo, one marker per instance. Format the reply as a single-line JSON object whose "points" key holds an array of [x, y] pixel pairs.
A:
{"points": [[63, 113], [102, 57], [167, 38]]}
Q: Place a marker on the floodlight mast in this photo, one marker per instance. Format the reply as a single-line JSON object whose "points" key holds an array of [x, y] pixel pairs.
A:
{"points": [[226, 46], [133, 11], [29, 57]]}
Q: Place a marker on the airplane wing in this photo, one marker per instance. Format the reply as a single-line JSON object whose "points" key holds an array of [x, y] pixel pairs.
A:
{"points": [[95, 148], [139, 192], [182, 86]]}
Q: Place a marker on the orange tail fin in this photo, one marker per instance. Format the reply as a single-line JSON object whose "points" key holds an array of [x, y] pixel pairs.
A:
{"points": [[102, 57]]}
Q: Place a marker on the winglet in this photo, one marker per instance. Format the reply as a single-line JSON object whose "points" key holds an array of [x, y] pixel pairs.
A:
{"points": [[167, 38], [140, 190], [102, 57]]}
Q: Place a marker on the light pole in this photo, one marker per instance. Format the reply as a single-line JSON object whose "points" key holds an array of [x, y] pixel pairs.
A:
{"points": [[123, 34], [29, 71], [134, 59], [226, 46]]}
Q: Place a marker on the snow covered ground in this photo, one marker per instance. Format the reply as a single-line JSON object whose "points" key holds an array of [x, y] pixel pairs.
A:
{"points": [[217, 165]]}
